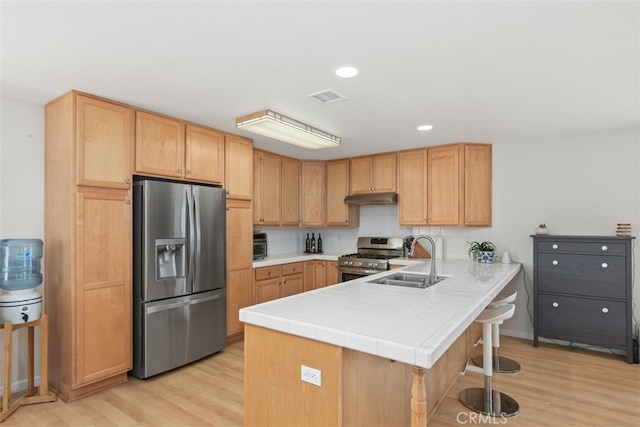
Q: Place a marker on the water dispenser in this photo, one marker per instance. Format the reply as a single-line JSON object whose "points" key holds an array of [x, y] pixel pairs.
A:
{"points": [[20, 261]]}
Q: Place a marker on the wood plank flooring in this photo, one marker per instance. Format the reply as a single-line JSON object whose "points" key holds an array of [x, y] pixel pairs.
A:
{"points": [[556, 387]]}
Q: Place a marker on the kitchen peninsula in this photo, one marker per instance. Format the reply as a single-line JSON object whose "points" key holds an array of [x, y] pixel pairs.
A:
{"points": [[386, 354]]}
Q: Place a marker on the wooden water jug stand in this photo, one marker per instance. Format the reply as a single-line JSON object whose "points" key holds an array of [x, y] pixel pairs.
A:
{"points": [[32, 394]]}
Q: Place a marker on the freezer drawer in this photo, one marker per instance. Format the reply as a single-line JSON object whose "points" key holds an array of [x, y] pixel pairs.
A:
{"points": [[178, 331]]}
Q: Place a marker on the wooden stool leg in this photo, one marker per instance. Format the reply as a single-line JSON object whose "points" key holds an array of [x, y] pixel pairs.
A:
{"points": [[6, 395], [30, 360], [44, 355]]}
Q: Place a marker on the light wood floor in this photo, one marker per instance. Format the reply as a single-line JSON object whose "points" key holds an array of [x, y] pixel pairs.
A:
{"points": [[556, 387]]}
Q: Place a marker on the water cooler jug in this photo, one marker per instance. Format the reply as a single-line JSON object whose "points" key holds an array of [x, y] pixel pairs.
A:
{"points": [[19, 274]]}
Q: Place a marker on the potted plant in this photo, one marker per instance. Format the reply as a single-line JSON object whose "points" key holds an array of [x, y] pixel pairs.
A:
{"points": [[484, 252], [542, 229]]}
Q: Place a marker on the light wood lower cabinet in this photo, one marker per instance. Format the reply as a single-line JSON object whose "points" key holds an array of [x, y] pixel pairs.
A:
{"points": [[278, 281]]}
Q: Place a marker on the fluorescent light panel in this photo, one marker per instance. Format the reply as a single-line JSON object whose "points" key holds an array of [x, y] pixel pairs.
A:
{"points": [[285, 129]]}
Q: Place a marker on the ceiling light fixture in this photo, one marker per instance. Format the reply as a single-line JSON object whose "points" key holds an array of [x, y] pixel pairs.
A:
{"points": [[285, 129], [425, 127], [347, 71]]}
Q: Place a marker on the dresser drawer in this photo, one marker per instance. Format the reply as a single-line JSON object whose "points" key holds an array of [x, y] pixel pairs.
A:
{"points": [[582, 247], [591, 275], [585, 320]]}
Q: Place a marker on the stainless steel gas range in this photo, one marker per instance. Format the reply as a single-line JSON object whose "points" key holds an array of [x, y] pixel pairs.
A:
{"points": [[372, 257]]}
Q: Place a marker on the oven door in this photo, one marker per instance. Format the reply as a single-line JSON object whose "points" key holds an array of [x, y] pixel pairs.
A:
{"points": [[345, 273]]}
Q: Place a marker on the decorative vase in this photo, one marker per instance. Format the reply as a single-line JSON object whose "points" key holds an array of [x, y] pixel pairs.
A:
{"points": [[542, 231], [485, 257]]}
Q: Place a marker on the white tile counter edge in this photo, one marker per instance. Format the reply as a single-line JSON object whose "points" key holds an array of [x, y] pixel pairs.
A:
{"points": [[413, 326], [294, 257]]}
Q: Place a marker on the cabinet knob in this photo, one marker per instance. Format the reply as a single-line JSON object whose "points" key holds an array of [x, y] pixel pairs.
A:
{"points": [[127, 201], [127, 181], [605, 248], [605, 265], [555, 304], [605, 310], [554, 262], [188, 172], [179, 170], [554, 246], [268, 273]]}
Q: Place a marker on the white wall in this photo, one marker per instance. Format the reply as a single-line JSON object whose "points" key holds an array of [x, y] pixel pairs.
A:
{"points": [[21, 197], [576, 185]]}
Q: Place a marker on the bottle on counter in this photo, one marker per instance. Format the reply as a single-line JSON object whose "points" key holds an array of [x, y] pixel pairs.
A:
{"points": [[313, 242], [319, 243], [307, 244]]}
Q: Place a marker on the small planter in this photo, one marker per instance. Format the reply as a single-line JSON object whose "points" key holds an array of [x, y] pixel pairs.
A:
{"points": [[485, 257], [542, 230]]}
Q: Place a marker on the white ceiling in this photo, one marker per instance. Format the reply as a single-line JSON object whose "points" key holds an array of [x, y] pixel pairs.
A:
{"points": [[476, 70]]}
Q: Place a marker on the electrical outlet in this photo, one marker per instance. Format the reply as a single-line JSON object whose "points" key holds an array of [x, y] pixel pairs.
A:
{"points": [[311, 375]]}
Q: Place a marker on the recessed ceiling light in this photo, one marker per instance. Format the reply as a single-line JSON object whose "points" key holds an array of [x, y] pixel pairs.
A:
{"points": [[425, 127], [346, 71]]}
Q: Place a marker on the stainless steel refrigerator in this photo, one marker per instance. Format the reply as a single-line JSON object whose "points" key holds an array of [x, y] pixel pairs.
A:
{"points": [[179, 282]]}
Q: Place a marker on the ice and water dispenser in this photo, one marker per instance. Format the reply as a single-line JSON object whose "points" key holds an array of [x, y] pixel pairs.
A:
{"points": [[20, 261], [170, 258]]}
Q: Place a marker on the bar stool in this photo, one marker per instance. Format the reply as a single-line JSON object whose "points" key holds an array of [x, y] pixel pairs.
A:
{"points": [[486, 400], [502, 365]]}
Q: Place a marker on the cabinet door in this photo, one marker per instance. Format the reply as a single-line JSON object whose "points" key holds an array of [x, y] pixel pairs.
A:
{"points": [[292, 284], [239, 262], [360, 174], [412, 187], [313, 193], [443, 185], [266, 188], [332, 272], [321, 274], [383, 178], [338, 212], [290, 212], [238, 153], [309, 275], [477, 184], [159, 145], [103, 289], [267, 290], [204, 155], [104, 139]]}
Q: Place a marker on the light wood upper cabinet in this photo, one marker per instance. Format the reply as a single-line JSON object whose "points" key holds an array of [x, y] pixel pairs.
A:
{"points": [[290, 192], [477, 185], [447, 185], [339, 213], [168, 147], [104, 140], [444, 182], [204, 154], [266, 188], [412, 187], [313, 193], [373, 174], [159, 145], [239, 167]]}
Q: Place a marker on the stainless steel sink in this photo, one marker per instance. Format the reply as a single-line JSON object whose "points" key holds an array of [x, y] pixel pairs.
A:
{"points": [[407, 280]]}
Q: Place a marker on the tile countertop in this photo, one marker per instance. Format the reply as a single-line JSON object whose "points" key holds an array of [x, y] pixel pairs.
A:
{"points": [[414, 326], [293, 257]]}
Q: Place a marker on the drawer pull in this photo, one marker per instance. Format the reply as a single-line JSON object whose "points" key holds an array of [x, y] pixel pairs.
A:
{"points": [[605, 265], [554, 246], [605, 248], [605, 310], [554, 262], [555, 304]]}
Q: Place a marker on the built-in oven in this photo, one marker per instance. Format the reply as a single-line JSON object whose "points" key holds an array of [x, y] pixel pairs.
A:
{"points": [[259, 245], [372, 257]]}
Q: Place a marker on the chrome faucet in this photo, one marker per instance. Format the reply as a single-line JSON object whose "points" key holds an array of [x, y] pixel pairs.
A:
{"points": [[432, 275]]}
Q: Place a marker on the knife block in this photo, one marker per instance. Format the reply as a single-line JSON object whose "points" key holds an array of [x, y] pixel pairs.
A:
{"points": [[420, 252]]}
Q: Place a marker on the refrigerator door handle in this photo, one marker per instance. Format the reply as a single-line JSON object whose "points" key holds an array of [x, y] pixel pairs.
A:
{"points": [[194, 301], [198, 236], [192, 237]]}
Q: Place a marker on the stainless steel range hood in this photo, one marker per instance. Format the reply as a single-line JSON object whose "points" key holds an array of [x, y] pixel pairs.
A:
{"points": [[372, 199]]}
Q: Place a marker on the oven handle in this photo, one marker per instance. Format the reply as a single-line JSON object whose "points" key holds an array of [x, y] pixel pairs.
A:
{"points": [[361, 271]]}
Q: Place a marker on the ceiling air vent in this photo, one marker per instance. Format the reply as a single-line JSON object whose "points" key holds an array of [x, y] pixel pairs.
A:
{"points": [[326, 96]]}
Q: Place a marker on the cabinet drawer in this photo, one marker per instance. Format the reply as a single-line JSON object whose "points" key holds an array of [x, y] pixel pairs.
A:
{"points": [[602, 247], [584, 320], [293, 268], [264, 273], [591, 275]]}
